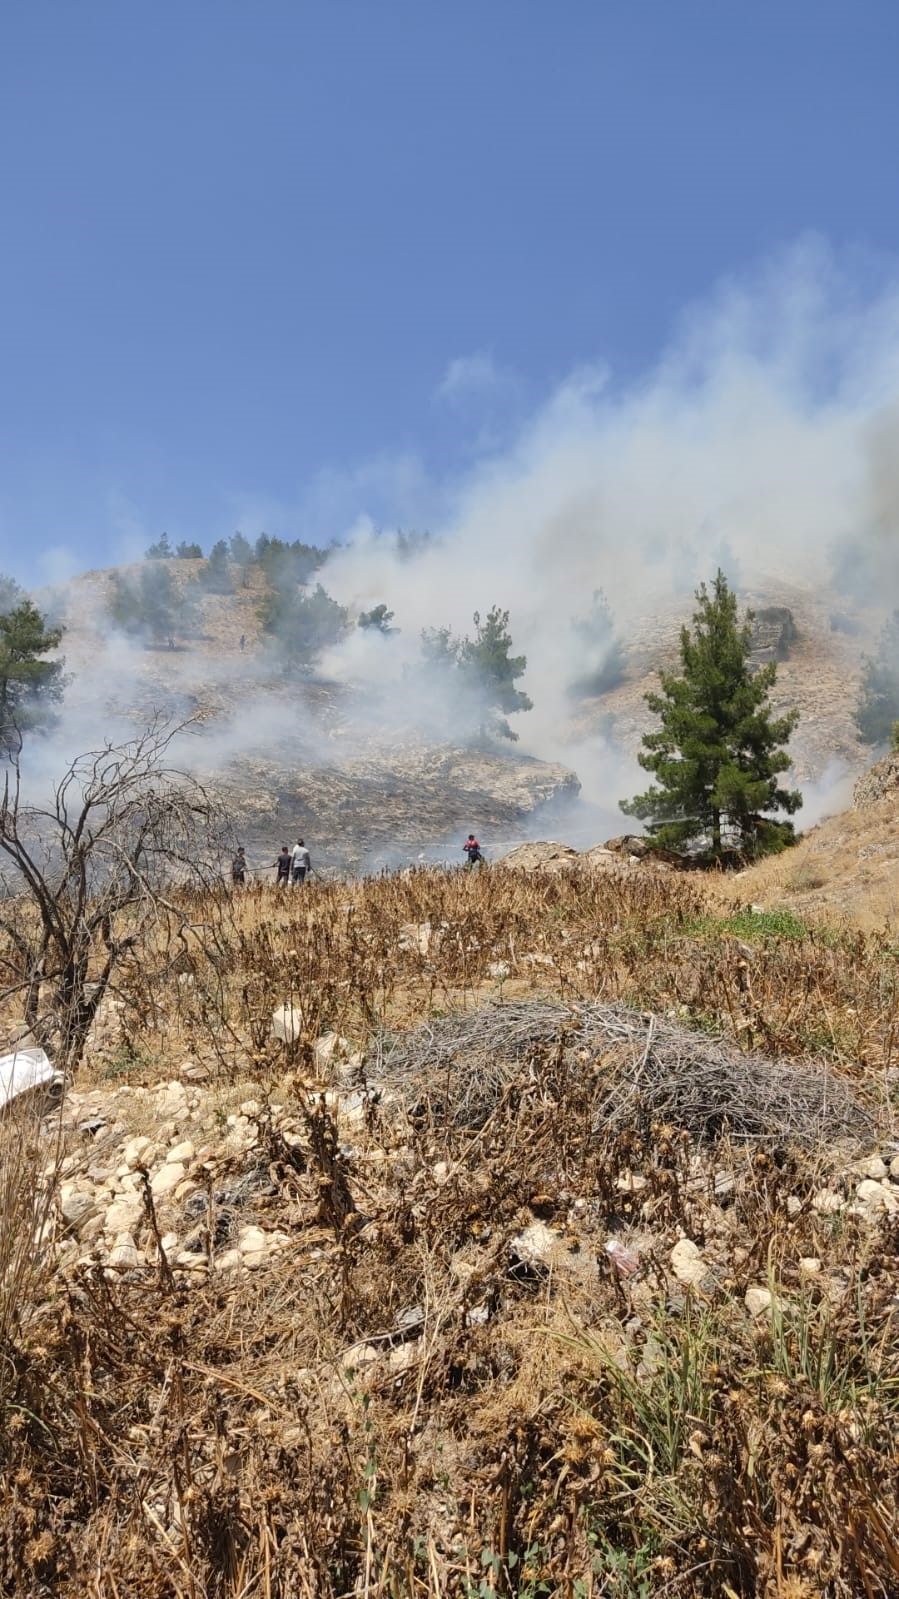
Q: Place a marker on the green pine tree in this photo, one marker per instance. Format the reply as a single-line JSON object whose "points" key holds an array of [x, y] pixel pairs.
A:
{"points": [[493, 670], [216, 575], [29, 684], [154, 608], [188, 552], [718, 756], [378, 620], [601, 663], [303, 624], [877, 708], [160, 551]]}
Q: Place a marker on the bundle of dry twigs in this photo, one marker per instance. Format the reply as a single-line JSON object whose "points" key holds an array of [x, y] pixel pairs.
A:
{"points": [[646, 1066]]}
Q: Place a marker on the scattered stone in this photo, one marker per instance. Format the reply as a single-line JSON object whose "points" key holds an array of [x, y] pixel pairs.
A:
{"points": [[182, 1154], [631, 1182], [124, 1256], [537, 1245], [139, 1151], [809, 1266], [872, 1167], [287, 1023], [687, 1263], [827, 1202], [77, 1206], [123, 1216], [166, 1180], [877, 1196], [758, 1300]]}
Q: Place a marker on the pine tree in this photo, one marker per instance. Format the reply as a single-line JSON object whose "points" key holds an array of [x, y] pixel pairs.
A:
{"points": [[188, 552], [216, 576], [160, 551], [718, 755], [601, 665], [303, 624], [154, 608], [487, 661], [877, 708], [29, 684], [377, 620]]}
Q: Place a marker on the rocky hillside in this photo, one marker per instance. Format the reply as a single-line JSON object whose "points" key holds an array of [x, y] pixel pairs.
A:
{"points": [[818, 641], [289, 755], [335, 762]]}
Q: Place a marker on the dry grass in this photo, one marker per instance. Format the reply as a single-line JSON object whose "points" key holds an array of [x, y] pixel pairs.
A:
{"points": [[404, 1403], [845, 871]]}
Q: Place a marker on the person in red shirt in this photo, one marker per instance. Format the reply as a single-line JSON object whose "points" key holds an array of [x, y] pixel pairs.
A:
{"points": [[473, 850]]}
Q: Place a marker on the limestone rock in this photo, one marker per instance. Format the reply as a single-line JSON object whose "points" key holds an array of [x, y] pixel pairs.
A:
{"points": [[182, 1154], [758, 1300], [827, 1202], [687, 1263], [877, 1196], [287, 1023], [166, 1180], [542, 856], [125, 1256], [123, 1216], [872, 1166]]}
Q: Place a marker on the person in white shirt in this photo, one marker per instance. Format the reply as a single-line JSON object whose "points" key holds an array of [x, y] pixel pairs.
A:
{"points": [[301, 862]]}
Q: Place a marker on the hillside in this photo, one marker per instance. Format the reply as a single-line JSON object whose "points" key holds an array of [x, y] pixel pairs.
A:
{"points": [[290, 754], [342, 762]]}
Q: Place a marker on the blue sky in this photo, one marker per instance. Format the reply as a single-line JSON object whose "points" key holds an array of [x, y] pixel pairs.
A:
{"points": [[280, 264]]}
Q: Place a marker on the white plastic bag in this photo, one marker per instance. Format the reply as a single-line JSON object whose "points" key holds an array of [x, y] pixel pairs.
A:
{"points": [[23, 1071]]}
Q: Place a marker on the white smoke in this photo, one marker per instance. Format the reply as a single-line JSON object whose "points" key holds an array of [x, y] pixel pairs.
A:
{"points": [[764, 439]]}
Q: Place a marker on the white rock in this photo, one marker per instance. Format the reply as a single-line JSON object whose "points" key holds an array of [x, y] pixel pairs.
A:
{"points": [[499, 970], [138, 1151], [877, 1196], [630, 1182], [251, 1240], [758, 1300], [77, 1208], [794, 1204], [228, 1260], [166, 1180], [538, 1245], [440, 1172], [123, 1216], [873, 1167], [124, 1255], [182, 1154], [809, 1266], [287, 1023], [170, 1242], [326, 1048], [253, 1259], [827, 1202], [687, 1263]]}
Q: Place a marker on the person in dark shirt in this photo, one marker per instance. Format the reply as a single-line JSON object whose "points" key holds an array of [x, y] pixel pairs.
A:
{"points": [[282, 862], [239, 866]]}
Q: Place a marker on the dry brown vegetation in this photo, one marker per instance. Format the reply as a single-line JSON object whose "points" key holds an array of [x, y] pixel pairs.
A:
{"points": [[414, 1400]]}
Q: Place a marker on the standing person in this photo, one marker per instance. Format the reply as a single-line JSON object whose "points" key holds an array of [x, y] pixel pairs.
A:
{"points": [[473, 850], [282, 862], [301, 862], [239, 867]]}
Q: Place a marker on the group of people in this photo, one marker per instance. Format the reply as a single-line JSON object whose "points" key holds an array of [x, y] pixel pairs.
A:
{"points": [[292, 865]]}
